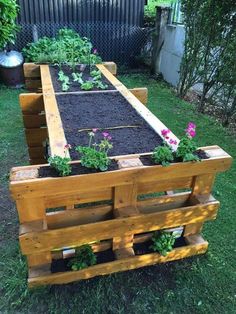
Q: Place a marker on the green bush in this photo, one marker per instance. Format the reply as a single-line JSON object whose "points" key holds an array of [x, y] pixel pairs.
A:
{"points": [[66, 48], [8, 28]]}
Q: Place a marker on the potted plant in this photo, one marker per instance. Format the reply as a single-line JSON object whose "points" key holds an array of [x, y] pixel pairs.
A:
{"points": [[11, 61]]}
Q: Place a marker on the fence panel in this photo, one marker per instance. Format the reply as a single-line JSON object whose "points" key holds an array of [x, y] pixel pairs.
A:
{"points": [[114, 26]]}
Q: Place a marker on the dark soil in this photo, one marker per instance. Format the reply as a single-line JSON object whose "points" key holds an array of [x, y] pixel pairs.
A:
{"points": [[148, 161], [144, 248], [106, 110], [74, 86], [46, 171], [61, 265]]}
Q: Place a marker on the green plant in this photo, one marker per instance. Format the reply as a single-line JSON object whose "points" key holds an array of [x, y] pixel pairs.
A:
{"points": [[96, 74], [100, 85], [88, 85], [77, 77], [8, 28], [65, 80], [209, 34], [61, 165], [163, 242], [84, 257], [163, 155], [67, 45], [95, 155]]}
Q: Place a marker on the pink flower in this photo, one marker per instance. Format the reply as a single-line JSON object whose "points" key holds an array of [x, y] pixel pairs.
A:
{"points": [[105, 134], [192, 133], [165, 132], [95, 51], [191, 125], [191, 129], [174, 142], [67, 146], [109, 137], [94, 130]]}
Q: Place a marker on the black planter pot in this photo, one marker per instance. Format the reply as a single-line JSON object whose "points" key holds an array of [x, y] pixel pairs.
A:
{"points": [[11, 68]]}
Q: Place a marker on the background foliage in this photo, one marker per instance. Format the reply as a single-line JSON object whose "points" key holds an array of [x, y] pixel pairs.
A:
{"points": [[8, 28], [209, 56]]}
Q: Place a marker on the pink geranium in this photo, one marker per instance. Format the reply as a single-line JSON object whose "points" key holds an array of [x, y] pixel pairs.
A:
{"points": [[105, 134], [164, 132], [94, 130], [172, 142], [191, 130]]}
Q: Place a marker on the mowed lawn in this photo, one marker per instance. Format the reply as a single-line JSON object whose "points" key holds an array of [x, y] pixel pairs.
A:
{"points": [[204, 284]]}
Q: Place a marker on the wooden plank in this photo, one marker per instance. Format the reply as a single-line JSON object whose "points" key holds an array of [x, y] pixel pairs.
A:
{"points": [[125, 197], [37, 161], [51, 239], [39, 259], [47, 86], [31, 103], [140, 93], [57, 139], [37, 152], [33, 85], [79, 198], [111, 67], [81, 183], [31, 70], [147, 115], [36, 137], [164, 185], [116, 266], [202, 185], [77, 216], [34, 120], [30, 210]]}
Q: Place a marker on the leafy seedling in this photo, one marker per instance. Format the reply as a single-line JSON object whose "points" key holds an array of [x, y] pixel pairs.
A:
{"points": [[88, 85], [84, 257], [163, 242], [163, 155], [61, 165], [77, 77]]}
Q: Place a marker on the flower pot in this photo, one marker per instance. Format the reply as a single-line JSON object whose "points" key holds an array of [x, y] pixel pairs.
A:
{"points": [[11, 68]]}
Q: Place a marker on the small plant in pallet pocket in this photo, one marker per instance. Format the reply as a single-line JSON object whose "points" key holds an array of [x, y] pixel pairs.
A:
{"points": [[95, 155], [163, 242], [164, 154], [84, 257], [61, 164], [186, 149]]}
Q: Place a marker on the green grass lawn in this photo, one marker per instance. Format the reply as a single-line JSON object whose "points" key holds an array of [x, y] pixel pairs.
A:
{"points": [[204, 284]]}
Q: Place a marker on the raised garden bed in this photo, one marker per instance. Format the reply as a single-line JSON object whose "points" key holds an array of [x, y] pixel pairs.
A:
{"points": [[117, 211]]}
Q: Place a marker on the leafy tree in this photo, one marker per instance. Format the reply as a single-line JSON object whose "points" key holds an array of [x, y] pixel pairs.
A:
{"points": [[210, 35], [8, 28]]}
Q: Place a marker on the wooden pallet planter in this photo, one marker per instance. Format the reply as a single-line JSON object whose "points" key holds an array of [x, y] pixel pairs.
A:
{"points": [[121, 223], [106, 209]]}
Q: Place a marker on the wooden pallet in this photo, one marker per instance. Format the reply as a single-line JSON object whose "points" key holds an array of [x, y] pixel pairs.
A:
{"points": [[125, 216], [120, 223]]}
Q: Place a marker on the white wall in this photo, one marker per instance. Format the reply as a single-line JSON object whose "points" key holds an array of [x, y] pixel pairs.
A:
{"points": [[171, 53]]}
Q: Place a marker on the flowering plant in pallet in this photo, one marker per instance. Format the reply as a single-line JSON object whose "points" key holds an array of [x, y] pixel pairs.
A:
{"points": [[95, 154]]}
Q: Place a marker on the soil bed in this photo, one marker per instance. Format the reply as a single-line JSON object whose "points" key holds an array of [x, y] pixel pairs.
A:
{"points": [[61, 265], [106, 111], [46, 171], [74, 86]]}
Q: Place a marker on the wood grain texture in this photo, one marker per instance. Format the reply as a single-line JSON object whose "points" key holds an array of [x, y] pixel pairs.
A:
{"points": [[36, 242]]}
